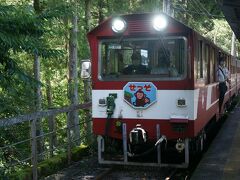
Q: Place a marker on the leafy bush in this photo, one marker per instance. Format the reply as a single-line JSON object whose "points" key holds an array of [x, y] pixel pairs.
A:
{"points": [[52, 165]]}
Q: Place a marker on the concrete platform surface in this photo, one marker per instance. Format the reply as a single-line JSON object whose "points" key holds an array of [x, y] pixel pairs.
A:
{"points": [[222, 160]]}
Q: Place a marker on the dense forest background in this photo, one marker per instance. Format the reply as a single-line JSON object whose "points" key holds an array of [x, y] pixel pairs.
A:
{"points": [[41, 29]]}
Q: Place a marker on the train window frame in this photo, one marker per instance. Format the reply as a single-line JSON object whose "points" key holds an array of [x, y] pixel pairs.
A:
{"points": [[136, 77], [207, 63], [212, 65], [200, 59]]}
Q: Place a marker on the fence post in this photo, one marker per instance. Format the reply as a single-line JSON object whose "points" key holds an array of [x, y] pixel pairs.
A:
{"points": [[69, 138], [34, 149], [52, 137]]}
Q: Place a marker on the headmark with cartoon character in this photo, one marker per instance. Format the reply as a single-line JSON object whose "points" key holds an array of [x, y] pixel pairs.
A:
{"points": [[140, 94], [141, 98]]}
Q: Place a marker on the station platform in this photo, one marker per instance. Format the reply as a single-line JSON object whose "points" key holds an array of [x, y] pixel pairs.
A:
{"points": [[222, 160]]}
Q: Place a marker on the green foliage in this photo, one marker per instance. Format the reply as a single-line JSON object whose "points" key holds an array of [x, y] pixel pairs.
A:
{"points": [[147, 6], [57, 10], [15, 91], [52, 165], [22, 175], [221, 34], [197, 14], [21, 30]]}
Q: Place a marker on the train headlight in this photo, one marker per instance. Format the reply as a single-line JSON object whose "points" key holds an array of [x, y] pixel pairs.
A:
{"points": [[159, 22], [119, 25]]}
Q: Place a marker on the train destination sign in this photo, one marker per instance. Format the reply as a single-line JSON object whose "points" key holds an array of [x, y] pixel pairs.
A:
{"points": [[140, 95]]}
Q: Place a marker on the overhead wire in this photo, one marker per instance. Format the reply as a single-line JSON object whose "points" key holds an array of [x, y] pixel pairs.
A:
{"points": [[210, 15], [179, 7], [196, 9], [182, 9], [198, 3], [201, 7], [188, 11], [201, 11]]}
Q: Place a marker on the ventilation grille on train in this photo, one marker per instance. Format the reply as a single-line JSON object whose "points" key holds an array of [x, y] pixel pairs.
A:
{"points": [[139, 26]]}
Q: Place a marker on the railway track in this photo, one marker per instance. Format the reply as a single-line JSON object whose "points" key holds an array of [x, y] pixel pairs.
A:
{"points": [[89, 168], [134, 173]]}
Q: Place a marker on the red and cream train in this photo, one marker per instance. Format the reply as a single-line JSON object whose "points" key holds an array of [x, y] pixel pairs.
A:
{"points": [[154, 86]]}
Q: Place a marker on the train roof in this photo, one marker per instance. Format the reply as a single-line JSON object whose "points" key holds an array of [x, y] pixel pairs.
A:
{"points": [[144, 17], [134, 20]]}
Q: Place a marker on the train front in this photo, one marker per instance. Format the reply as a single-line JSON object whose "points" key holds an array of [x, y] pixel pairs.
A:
{"points": [[142, 98]]}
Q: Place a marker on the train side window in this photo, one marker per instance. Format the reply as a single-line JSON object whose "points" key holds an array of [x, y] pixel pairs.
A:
{"points": [[200, 60], [238, 67], [229, 62], [233, 66], [212, 68], [207, 64]]}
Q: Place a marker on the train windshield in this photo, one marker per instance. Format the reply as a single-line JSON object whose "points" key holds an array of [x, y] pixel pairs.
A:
{"points": [[143, 59]]}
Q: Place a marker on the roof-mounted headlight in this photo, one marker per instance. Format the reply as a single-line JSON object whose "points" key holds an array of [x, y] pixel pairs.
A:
{"points": [[160, 22], [119, 25]]}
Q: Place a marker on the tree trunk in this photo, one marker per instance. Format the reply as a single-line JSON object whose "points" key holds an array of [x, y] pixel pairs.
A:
{"points": [[184, 15], [73, 82], [166, 6], [38, 100], [87, 14], [100, 11], [233, 48], [87, 84], [38, 97], [51, 119], [36, 5]]}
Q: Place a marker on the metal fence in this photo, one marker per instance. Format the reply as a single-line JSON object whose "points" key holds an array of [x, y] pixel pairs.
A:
{"points": [[23, 144]]}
